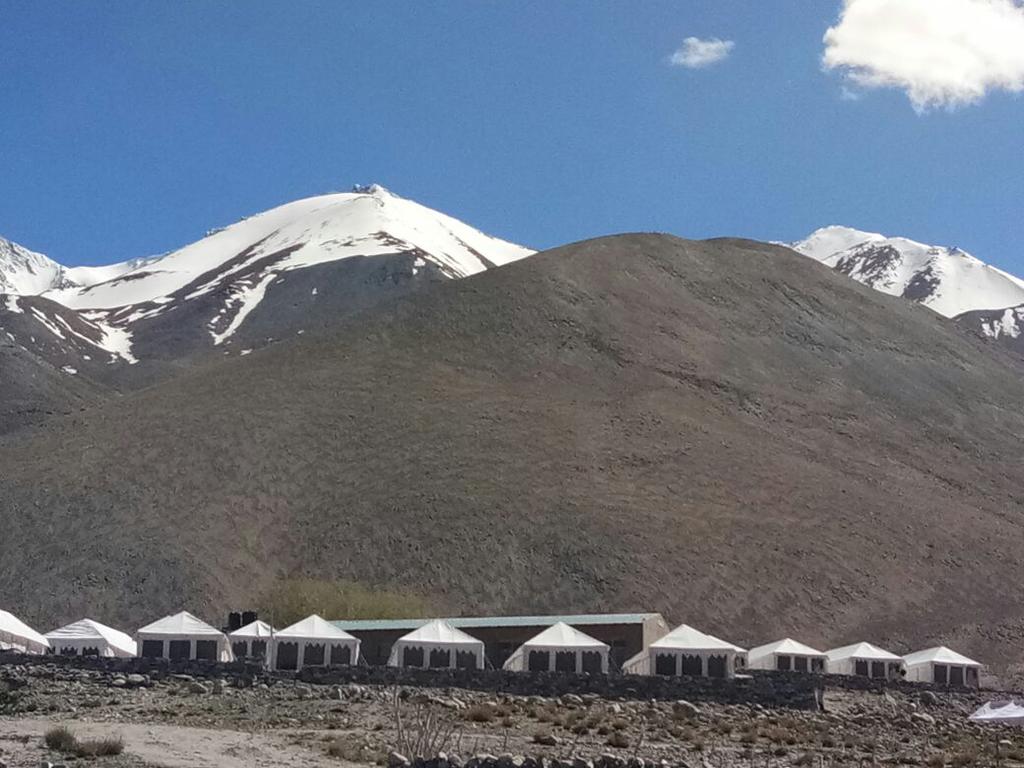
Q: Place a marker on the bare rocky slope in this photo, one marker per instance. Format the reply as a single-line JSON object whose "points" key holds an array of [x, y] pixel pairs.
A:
{"points": [[724, 431]]}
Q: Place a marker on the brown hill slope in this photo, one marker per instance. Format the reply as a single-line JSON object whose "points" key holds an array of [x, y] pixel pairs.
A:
{"points": [[724, 431]]}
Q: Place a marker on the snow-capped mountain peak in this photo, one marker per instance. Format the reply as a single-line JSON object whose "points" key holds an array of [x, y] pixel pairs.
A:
{"points": [[946, 279], [26, 272]]}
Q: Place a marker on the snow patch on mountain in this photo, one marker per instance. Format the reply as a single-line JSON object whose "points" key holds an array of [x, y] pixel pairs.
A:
{"points": [[26, 272], [1008, 325], [948, 280]]}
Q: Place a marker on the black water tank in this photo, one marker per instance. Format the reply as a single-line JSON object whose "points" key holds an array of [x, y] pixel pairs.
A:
{"points": [[234, 621], [248, 617]]}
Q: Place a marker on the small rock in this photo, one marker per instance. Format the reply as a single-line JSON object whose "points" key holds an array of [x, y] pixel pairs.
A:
{"points": [[397, 760], [571, 700], [118, 682], [685, 709], [136, 680], [218, 686], [197, 687], [580, 762], [547, 739], [928, 698], [921, 717]]}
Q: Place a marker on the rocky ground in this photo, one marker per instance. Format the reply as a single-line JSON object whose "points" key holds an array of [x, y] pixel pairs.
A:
{"points": [[181, 722]]}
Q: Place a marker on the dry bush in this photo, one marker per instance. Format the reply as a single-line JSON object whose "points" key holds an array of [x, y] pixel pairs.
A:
{"points": [[938, 760], [806, 759], [619, 740], [61, 739], [291, 600], [354, 750], [420, 732], [107, 747], [480, 713]]}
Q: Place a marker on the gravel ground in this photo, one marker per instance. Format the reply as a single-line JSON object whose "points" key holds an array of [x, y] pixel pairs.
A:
{"points": [[185, 722]]}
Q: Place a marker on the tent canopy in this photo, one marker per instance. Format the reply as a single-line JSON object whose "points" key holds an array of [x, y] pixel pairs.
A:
{"points": [[561, 636], [686, 638], [257, 630], [182, 624], [86, 631], [439, 632], [313, 628], [16, 634], [1009, 712], [939, 655], [785, 647], [861, 651]]}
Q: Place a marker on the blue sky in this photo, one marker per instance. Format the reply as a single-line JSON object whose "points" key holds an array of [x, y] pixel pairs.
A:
{"points": [[131, 128]]}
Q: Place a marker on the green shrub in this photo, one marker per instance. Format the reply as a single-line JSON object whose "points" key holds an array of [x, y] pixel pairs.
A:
{"points": [[291, 600]]}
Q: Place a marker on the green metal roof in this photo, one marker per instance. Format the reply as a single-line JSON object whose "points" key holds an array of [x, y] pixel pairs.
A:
{"points": [[465, 622]]}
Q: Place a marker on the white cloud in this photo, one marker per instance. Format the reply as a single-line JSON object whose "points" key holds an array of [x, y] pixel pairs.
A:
{"points": [[942, 53], [697, 53]]}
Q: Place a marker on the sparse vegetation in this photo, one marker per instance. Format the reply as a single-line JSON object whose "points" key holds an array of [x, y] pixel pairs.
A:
{"points": [[291, 600], [62, 739]]}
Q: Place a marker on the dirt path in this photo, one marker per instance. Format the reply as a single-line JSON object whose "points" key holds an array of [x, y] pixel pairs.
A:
{"points": [[171, 746]]}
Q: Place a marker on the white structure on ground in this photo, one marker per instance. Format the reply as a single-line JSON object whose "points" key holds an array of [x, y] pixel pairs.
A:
{"points": [[689, 652], [1006, 712], [251, 641], [86, 637], [942, 666], [312, 642], [183, 636], [16, 635], [437, 645], [863, 660], [560, 648], [786, 655]]}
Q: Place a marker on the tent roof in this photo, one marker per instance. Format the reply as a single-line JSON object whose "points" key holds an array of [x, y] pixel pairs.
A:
{"points": [[999, 712], [685, 637], [88, 629], [561, 635], [183, 623], [861, 651], [940, 654], [787, 647], [255, 629], [15, 628], [439, 632], [314, 628]]}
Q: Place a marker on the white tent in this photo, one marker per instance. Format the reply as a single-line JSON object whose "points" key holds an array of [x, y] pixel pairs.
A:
{"points": [[863, 660], [312, 642], [16, 635], [437, 645], [786, 655], [560, 648], [1006, 712], [183, 636], [90, 638], [942, 666], [689, 652], [251, 641]]}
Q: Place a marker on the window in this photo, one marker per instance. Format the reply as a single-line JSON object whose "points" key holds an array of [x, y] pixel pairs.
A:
{"points": [[692, 666], [240, 649], [860, 668], [878, 669], [258, 649], [665, 664], [313, 655], [206, 650], [783, 663], [940, 674], [152, 649], [800, 663], [412, 657], [592, 663], [716, 666], [956, 676], [465, 659], [179, 649], [440, 658], [565, 661], [539, 661], [341, 655], [287, 656]]}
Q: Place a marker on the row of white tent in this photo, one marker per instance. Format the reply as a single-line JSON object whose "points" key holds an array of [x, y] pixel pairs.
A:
{"points": [[437, 644], [688, 651]]}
